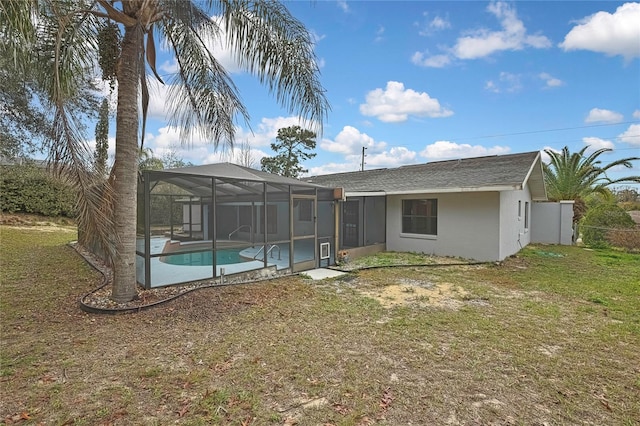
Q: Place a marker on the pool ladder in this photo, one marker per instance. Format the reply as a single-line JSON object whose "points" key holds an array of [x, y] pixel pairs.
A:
{"points": [[235, 231], [269, 251]]}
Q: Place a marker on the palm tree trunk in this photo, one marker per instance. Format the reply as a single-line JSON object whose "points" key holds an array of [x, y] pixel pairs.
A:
{"points": [[126, 168]]}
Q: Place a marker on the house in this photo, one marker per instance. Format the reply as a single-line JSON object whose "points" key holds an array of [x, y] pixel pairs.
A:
{"points": [[474, 208], [220, 220]]}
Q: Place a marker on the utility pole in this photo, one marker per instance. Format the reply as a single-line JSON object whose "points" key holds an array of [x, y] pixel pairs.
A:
{"points": [[363, 155]]}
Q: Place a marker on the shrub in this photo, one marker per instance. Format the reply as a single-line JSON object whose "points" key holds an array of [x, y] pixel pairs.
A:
{"points": [[628, 239], [602, 219], [30, 189]]}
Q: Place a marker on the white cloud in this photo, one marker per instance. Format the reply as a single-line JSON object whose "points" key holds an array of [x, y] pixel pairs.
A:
{"points": [[268, 130], [442, 150], [428, 27], [611, 34], [506, 83], [394, 157], [434, 61], [169, 67], [234, 156], [331, 168], [158, 95], [167, 139], [439, 23], [350, 142], [342, 4], [200, 151], [379, 34], [513, 36], [545, 157], [636, 114], [485, 42], [220, 50], [631, 135], [550, 81], [316, 38], [395, 104], [597, 115], [597, 143]]}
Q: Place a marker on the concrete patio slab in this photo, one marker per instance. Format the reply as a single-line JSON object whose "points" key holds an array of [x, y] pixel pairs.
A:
{"points": [[322, 273]]}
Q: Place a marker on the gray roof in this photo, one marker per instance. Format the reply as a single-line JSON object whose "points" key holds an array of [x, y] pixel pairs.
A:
{"points": [[235, 172], [233, 180], [494, 173]]}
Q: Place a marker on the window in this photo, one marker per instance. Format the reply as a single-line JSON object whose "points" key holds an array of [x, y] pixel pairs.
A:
{"points": [[526, 215], [519, 209], [420, 216]]}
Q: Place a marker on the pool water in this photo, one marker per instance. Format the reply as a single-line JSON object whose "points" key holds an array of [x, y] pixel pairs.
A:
{"points": [[205, 258]]}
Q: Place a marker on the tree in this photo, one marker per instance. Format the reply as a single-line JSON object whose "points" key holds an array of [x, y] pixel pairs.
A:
{"points": [[245, 156], [265, 38], [172, 160], [146, 160], [601, 220], [25, 121], [293, 142], [102, 138], [574, 176]]}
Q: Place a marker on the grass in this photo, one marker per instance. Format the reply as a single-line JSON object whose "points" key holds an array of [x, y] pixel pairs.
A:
{"points": [[540, 338]]}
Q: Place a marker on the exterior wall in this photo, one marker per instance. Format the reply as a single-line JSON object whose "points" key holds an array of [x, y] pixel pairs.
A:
{"points": [[468, 226], [515, 211], [357, 252], [552, 223]]}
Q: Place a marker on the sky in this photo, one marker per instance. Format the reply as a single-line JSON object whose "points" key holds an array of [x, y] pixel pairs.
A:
{"points": [[423, 81]]}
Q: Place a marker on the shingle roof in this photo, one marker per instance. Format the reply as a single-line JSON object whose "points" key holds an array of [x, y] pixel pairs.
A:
{"points": [[493, 173]]}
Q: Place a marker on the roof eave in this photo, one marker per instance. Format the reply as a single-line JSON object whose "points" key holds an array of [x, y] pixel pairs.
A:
{"points": [[537, 194], [365, 193], [492, 188]]}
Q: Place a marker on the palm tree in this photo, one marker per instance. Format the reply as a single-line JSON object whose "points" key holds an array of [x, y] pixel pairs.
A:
{"points": [[266, 40], [574, 176]]}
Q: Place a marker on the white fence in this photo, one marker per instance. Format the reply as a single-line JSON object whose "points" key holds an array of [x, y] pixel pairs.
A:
{"points": [[552, 222]]}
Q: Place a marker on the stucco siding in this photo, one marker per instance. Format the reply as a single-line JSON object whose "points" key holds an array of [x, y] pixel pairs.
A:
{"points": [[468, 226], [515, 221], [553, 223]]}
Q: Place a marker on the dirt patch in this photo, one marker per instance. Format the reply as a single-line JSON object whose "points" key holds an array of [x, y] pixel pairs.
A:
{"points": [[31, 223], [43, 228], [418, 293]]}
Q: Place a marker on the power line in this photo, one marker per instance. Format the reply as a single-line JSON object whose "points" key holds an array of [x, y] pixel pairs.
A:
{"points": [[605, 138], [530, 132]]}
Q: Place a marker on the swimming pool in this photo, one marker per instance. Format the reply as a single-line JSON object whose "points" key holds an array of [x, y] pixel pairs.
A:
{"points": [[205, 258]]}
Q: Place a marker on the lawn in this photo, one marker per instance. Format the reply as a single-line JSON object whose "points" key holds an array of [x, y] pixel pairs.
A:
{"points": [[551, 336]]}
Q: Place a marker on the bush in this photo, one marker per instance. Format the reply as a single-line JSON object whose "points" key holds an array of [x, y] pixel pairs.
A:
{"points": [[30, 189], [628, 239], [630, 205], [601, 220]]}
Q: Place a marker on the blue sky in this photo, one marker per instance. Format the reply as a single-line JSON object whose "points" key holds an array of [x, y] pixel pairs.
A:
{"points": [[420, 81]]}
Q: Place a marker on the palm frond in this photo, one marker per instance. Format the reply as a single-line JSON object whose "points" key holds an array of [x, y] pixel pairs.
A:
{"points": [[17, 29], [66, 45], [270, 43], [202, 96], [570, 176]]}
